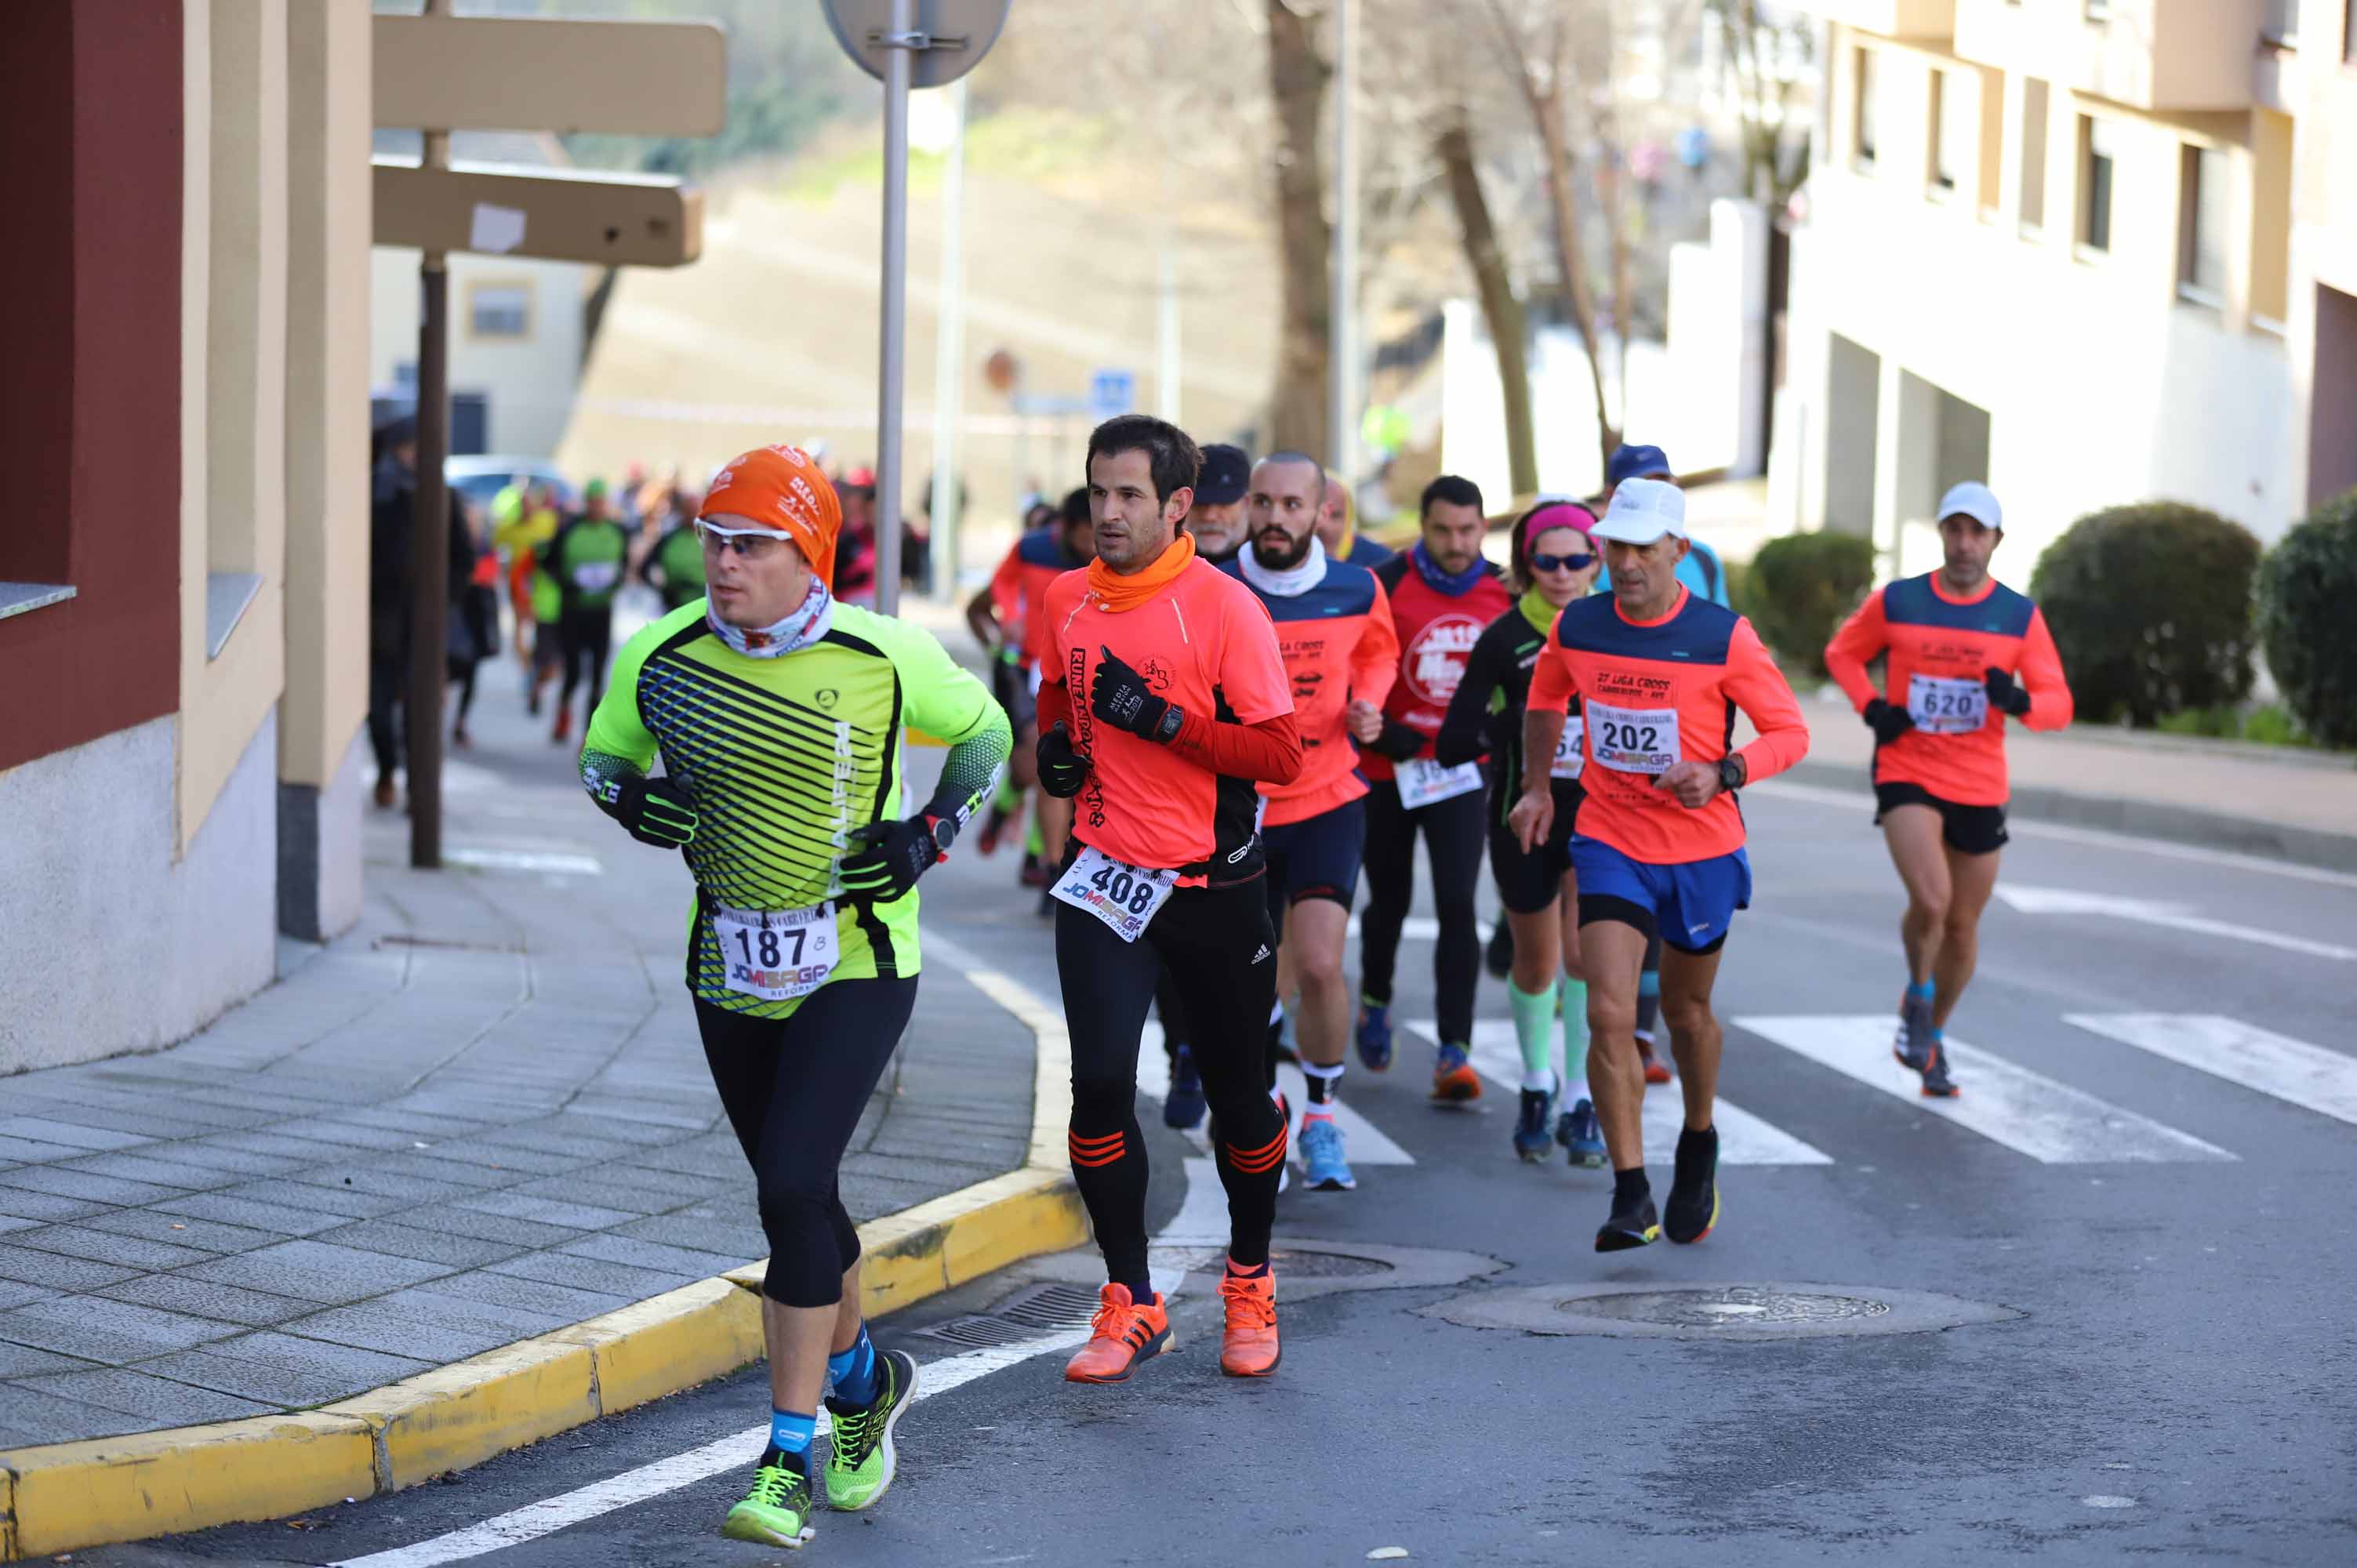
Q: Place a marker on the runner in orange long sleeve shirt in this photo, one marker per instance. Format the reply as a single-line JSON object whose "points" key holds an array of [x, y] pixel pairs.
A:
{"points": [[1658, 842], [1963, 651]]}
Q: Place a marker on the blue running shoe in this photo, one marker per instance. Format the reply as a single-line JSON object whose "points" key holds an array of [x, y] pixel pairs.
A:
{"points": [[1531, 1138], [1183, 1107], [1321, 1151], [1579, 1133], [1374, 1035]]}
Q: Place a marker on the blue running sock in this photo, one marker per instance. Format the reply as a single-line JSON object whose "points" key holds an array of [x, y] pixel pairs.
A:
{"points": [[854, 1372], [1923, 993], [791, 1432]]}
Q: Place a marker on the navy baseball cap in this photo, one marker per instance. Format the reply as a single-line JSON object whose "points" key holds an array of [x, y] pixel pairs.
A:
{"points": [[1225, 475], [1636, 462]]}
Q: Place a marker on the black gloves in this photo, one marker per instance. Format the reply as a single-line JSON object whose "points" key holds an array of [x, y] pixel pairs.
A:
{"points": [[2004, 695], [1119, 696], [655, 811], [1887, 722], [1062, 770], [891, 857], [1399, 742]]}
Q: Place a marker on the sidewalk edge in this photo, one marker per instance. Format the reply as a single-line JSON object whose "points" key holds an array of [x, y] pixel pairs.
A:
{"points": [[2141, 819], [67, 1496]]}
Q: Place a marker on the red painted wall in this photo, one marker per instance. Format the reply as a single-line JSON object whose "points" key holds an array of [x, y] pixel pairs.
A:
{"points": [[90, 414]]}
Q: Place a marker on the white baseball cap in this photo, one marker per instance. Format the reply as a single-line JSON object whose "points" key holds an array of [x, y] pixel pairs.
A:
{"points": [[1643, 510], [1975, 501]]}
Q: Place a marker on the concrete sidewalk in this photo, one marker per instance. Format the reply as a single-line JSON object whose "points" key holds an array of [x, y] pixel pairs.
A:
{"points": [[483, 1116], [2274, 801]]}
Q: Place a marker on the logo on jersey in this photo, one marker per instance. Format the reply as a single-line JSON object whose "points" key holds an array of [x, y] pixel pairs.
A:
{"points": [[1158, 672], [827, 697], [1435, 662]]}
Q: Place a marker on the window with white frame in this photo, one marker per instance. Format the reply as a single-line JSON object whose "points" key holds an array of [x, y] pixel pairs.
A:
{"points": [[1954, 137], [1862, 132], [2203, 220], [499, 310], [2035, 110], [2098, 155]]}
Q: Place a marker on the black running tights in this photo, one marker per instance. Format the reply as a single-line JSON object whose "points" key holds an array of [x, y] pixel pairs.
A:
{"points": [[1453, 835]]}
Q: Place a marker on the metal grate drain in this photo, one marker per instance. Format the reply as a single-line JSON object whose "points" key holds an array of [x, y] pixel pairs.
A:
{"points": [[1028, 1313]]}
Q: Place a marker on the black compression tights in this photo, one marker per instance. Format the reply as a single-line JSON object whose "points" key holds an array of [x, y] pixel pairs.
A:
{"points": [[794, 1089], [1222, 957], [1453, 833]]}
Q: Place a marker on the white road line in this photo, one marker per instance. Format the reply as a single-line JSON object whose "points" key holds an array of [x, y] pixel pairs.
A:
{"points": [[2292, 1070], [2032, 900], [484, 857], [1367, 1143], [2025, 1112], [1743, 1139], [1863, 800], [1424, 928]]}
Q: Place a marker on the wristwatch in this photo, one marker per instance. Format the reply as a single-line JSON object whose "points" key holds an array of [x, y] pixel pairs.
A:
{"points": [[1174, 718], [1732, 771], [945, 832]]}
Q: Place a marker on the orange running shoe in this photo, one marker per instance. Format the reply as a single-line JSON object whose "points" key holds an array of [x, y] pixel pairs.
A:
{"points": [[1248, 1349], [1120, 1334], [1656, 1069]]}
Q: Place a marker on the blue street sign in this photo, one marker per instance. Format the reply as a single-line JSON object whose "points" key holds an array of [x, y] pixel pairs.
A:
{"points": [[1112, 392]]}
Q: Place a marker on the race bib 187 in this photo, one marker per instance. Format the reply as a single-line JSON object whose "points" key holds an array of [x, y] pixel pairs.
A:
{"points": [[1125, 897], [776, 955], [1632, 740]]}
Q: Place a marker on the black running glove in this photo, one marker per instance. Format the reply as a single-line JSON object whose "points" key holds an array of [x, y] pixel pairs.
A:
{"points": [[2004, 695], [1399, 741], [1119, 696], [1887, 722], [891, 857], [1062, 770], [655, 811]]}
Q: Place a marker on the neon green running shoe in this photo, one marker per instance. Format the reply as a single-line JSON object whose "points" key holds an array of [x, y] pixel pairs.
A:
{"points": [[862, 1462], [777, 1512]]}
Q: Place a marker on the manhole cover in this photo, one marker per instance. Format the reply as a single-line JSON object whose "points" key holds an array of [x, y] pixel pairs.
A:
{"points": [[1771, 1311], [1297, 1264]]}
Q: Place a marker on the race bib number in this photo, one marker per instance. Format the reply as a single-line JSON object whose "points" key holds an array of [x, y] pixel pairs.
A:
{"points": [[1942, 706], [777, 955], [1568, 758], [1632, 740], [1126, 897], [1424, 782], [595, 576]]}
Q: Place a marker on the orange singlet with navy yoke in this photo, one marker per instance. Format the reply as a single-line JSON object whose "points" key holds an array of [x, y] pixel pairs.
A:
{"points": [[1204, 643], [1338, 646], [1657, 693], [1941, 648]]}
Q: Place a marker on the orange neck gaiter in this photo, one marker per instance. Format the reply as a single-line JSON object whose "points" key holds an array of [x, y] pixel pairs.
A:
{"points": [[1116, 592]]}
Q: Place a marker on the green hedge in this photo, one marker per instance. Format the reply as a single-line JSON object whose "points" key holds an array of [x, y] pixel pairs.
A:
{"points": [[2305, 589], [2150, 608], [1800, 588]]}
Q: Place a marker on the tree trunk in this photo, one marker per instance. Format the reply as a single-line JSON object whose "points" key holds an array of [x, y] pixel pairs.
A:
{"points": [[1499, 304], [1298, 79], [1561, 205]]}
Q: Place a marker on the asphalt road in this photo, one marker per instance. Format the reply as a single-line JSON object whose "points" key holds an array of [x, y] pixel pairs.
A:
{"points": [[2172, 1244]]}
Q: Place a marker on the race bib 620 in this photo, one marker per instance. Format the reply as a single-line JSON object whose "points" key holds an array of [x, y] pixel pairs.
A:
{"points": [[1942, 706]]}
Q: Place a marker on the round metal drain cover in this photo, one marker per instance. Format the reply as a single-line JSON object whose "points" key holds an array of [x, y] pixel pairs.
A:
{"points": [[1294, 1262], [1773, 1311]]}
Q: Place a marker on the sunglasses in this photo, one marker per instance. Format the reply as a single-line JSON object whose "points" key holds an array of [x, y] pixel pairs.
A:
{"points": [[748, 545], [1561, 562]]}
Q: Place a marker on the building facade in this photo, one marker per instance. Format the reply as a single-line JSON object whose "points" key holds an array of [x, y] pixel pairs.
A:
{"points": [[2090, 251], [182, 671]]}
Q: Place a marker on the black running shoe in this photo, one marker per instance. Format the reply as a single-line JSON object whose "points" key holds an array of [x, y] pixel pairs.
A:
{"points": [[1640, 1227], [1937, 1084], [1500, 954], [1912, 1044], [1692, 1208]]}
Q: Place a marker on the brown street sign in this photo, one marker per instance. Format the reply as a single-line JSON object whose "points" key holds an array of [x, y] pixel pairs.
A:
{"points": [[484, 73], [609, 219]]}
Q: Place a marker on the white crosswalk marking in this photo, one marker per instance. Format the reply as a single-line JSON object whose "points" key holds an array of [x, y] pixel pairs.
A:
{"points": [[2024, 1110], [1363, 1143], [1743, 1139], [2293, 1070]]}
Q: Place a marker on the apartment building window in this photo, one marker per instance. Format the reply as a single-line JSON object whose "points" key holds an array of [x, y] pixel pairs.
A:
{"points": [[2034, 114], [1952, 137], [2280, 24], [2203, 216], [2099, 10], [2096, 157], [499, 310], [2349, 35], [1862, 92]]}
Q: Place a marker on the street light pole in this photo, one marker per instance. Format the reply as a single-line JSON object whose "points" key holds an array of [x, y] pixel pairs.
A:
{"points": [[948, 358], [1342, 373], [429, 541], [897, 66]]}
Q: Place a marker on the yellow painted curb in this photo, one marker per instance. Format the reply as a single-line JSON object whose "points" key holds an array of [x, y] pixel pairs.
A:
{"points": [[70, 1495], [66, 1496]]}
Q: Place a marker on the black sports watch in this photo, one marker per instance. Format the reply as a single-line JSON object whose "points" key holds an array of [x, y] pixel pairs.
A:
{"points": [[1174, 718], [1732, 771], [945, 832]]}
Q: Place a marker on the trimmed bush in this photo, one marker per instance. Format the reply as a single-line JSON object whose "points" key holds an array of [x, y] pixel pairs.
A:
{"points": [[1800, 588], [2305, 591], [2150, 608]]}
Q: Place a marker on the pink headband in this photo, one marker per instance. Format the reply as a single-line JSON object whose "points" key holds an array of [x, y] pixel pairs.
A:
{"points": [[1560, 514]]}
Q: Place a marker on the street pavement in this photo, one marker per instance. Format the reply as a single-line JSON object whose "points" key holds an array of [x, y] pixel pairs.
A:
{"points": [[2142, 1182], [482, 1115]]}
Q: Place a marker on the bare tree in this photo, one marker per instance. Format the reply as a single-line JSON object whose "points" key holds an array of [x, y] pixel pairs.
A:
{"points": [[1298, 76], [1501, 308], [1767, 51]]}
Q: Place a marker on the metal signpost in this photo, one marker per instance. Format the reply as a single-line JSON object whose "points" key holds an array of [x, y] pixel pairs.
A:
{"points": [[904, 44]]}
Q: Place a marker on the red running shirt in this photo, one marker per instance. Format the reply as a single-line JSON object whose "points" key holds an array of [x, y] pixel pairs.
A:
{"points": [[1203, 642], [1020, 584], [1941, 649], [1654, 692], [1436, 633]]}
